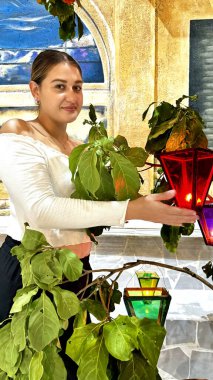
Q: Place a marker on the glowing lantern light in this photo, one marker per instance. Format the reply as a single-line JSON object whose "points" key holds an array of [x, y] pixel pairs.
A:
{"points": [[141, 304], [189, 172], [206, 223]]}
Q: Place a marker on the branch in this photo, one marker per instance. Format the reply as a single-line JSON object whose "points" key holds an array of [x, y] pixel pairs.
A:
{"points": [[150, 165], [142, 262]]}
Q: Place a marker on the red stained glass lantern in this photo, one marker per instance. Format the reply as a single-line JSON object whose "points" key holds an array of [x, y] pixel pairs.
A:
{"points": [[189, 172], [206, 223], [152, 303]]}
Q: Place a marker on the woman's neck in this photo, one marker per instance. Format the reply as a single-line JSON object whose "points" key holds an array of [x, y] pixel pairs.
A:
{"points": [[54, 135], [55, 130]]}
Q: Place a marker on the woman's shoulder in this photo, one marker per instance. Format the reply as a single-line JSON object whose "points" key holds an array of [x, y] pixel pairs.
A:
{"points": [[17, 126]]}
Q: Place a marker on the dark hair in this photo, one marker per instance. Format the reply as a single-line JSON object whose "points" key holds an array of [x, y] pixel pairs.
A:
{"points": [[47, 59]]}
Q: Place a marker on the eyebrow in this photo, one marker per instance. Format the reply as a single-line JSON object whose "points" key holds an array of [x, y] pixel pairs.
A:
{"points": [[64, 81]]}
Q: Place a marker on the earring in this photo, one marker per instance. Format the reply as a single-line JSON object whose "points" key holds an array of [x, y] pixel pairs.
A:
{"points": [[37, 101]]}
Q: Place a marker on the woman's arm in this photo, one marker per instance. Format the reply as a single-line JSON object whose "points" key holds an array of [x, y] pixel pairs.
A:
{"points": [[24, 171]]}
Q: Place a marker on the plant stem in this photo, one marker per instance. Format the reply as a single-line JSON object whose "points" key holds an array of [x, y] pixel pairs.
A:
{"points": [[150, 165]]}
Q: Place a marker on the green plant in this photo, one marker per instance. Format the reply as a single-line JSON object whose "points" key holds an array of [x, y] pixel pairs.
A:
{"points": [[105, 168], [110, 349], [64, 10]]}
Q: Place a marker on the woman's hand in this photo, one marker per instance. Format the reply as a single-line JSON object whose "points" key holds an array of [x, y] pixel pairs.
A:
{"points": [[152, 209]]}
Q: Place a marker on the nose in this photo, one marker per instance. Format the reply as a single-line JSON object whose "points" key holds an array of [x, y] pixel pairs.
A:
{"points": [[70, 94]]}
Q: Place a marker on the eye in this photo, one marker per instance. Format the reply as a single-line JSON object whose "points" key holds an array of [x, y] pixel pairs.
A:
{"points": [[77, 88], [60, 86]]}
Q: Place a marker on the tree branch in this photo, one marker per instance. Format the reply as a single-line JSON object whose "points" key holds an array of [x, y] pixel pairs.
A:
{"points": [[143, 262]]}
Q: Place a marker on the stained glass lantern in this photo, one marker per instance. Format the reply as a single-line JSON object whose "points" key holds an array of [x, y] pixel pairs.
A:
{"points": [[148, 280], [189, 172], [206, 223], [141, 304]]}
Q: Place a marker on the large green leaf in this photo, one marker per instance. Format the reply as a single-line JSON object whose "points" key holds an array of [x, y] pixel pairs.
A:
{"points": [[33, 240], [67, 303], [125, 177], [95, 365], [43, 324], [97, 132], [121, 142], [106, 191], [18, 328], [121, 337], [80, 27], [19, 251], [156, 145], [155, 332], [46, 269], [187, 229], [54, 368], [20, 376], [3, 376], [136, 369], [148, 348], [81, 318], [137, 156], [23, 297], [36, 367], [71, 264], [9, 354], [26, 272], [80, 339], [80, 192], [26, 358], [170, 236], [88, 172], [95, 308], [164, 111], [160, 129], [74, 158], [92, 113]]}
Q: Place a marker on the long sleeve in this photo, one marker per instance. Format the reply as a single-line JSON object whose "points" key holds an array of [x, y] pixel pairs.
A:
{"points": [[25, 171]]}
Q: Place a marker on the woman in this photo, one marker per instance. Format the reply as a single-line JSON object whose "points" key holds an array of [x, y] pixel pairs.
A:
{"points": [[34, 168]]}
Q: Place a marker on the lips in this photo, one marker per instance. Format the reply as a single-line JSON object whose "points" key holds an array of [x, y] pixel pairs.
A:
{"points": [[69, 109]]}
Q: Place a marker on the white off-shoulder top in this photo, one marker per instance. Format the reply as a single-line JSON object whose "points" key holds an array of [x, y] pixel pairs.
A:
{"points": [[38, 181]]}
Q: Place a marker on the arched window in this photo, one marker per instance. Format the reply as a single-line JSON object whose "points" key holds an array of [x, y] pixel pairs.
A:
{"points": [[26, 29]]}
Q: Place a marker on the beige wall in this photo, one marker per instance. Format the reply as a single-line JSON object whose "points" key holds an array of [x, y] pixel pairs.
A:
{"points": [[172, 56], [151, 41]]}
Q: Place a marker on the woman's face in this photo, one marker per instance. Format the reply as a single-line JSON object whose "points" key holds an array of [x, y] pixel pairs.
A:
{"points": [[60, 94]]}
